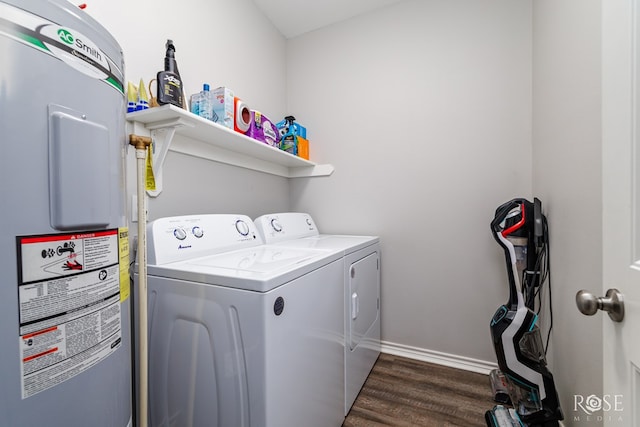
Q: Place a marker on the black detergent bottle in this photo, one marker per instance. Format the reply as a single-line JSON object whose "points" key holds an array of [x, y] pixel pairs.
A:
{"points": [[169, 82]]}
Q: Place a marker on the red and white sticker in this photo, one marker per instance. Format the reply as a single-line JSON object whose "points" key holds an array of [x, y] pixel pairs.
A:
{"points": [[69, 305]]}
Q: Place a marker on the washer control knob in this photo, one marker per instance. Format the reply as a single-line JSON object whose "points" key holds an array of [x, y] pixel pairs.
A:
{"points": [[275, 224], [242, 227], [197, 231], [309, 223], [179, 233]]}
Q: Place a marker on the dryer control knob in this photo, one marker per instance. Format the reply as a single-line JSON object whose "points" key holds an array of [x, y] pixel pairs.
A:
{"points": [[275, 224], [242, 227], [179, 233], [197, 231]]}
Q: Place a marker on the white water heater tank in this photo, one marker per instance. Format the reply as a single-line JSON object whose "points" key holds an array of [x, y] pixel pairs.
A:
{"points": [[65, 337]]}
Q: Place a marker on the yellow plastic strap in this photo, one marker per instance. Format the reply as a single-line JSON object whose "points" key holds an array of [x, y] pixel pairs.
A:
{"points": [[150, 180]]}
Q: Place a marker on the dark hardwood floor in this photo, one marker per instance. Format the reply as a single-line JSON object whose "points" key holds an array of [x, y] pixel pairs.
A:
{"points": [[405, 392]]}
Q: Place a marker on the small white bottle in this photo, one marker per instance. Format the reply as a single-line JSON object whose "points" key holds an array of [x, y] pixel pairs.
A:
{"points": [[206, 103]]}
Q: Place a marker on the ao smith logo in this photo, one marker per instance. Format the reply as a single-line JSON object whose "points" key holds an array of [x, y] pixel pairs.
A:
{"points": [[67, 37]]}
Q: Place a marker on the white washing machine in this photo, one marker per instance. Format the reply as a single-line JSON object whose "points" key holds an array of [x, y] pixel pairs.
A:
{"points": [[241, 333], [361, 282]]}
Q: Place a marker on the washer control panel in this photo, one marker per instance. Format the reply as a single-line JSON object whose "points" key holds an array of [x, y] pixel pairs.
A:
{"points": [[275, 225], [184, 237], [285, 226], [242, 227]]}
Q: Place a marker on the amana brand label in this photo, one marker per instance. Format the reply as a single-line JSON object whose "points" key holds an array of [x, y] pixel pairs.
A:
{"points": [[68, 45]]}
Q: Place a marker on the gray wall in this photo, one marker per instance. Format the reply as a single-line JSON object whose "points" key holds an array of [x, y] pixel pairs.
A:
{"points": [[222, 43], [193, 185], [433, 113], [567, 175], [424, 108]]}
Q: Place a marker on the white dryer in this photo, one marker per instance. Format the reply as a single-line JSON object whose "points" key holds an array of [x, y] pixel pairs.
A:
{"points": [[361, 282], [240, 333]]}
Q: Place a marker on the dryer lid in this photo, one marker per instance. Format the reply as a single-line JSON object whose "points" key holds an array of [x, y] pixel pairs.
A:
{"points": [[332, 243]]}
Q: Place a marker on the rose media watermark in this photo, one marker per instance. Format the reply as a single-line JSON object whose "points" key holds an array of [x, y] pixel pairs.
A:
{"points": [[594, 408]]}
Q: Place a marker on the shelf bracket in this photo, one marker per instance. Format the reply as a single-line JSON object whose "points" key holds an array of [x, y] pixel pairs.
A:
{"points": [[162, 134], [311, 171]]}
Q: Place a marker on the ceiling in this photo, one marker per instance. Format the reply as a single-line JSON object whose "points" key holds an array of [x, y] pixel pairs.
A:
{"points": [[296, 17]]}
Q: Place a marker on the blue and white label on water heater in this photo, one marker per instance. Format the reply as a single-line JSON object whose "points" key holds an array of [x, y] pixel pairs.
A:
{"points": [[69, 305], [68, 45]]}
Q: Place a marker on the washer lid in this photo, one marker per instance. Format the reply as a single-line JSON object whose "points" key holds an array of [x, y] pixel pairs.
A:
{"points": [[260, 268], [259, 260]]}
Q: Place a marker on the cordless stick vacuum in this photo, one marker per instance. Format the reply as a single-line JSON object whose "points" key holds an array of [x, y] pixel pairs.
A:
{"points": [[521, 230]]}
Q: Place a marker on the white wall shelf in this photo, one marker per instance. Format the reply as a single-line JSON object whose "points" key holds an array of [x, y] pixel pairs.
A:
{"points": [[178, 130]]}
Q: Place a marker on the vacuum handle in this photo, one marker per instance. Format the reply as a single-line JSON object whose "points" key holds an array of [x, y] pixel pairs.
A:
{"points": [[612, 303], [497, 225]]}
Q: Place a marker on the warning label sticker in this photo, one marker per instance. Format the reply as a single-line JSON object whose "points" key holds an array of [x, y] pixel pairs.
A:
{"points": [[125, 281], [69, 305]]}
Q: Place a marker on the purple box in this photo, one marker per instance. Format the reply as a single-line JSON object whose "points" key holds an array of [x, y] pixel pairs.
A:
{"points": [[263, 130]]}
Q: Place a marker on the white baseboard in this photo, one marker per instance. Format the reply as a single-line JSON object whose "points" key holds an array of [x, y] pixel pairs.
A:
{"points": [[439, 358]]}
